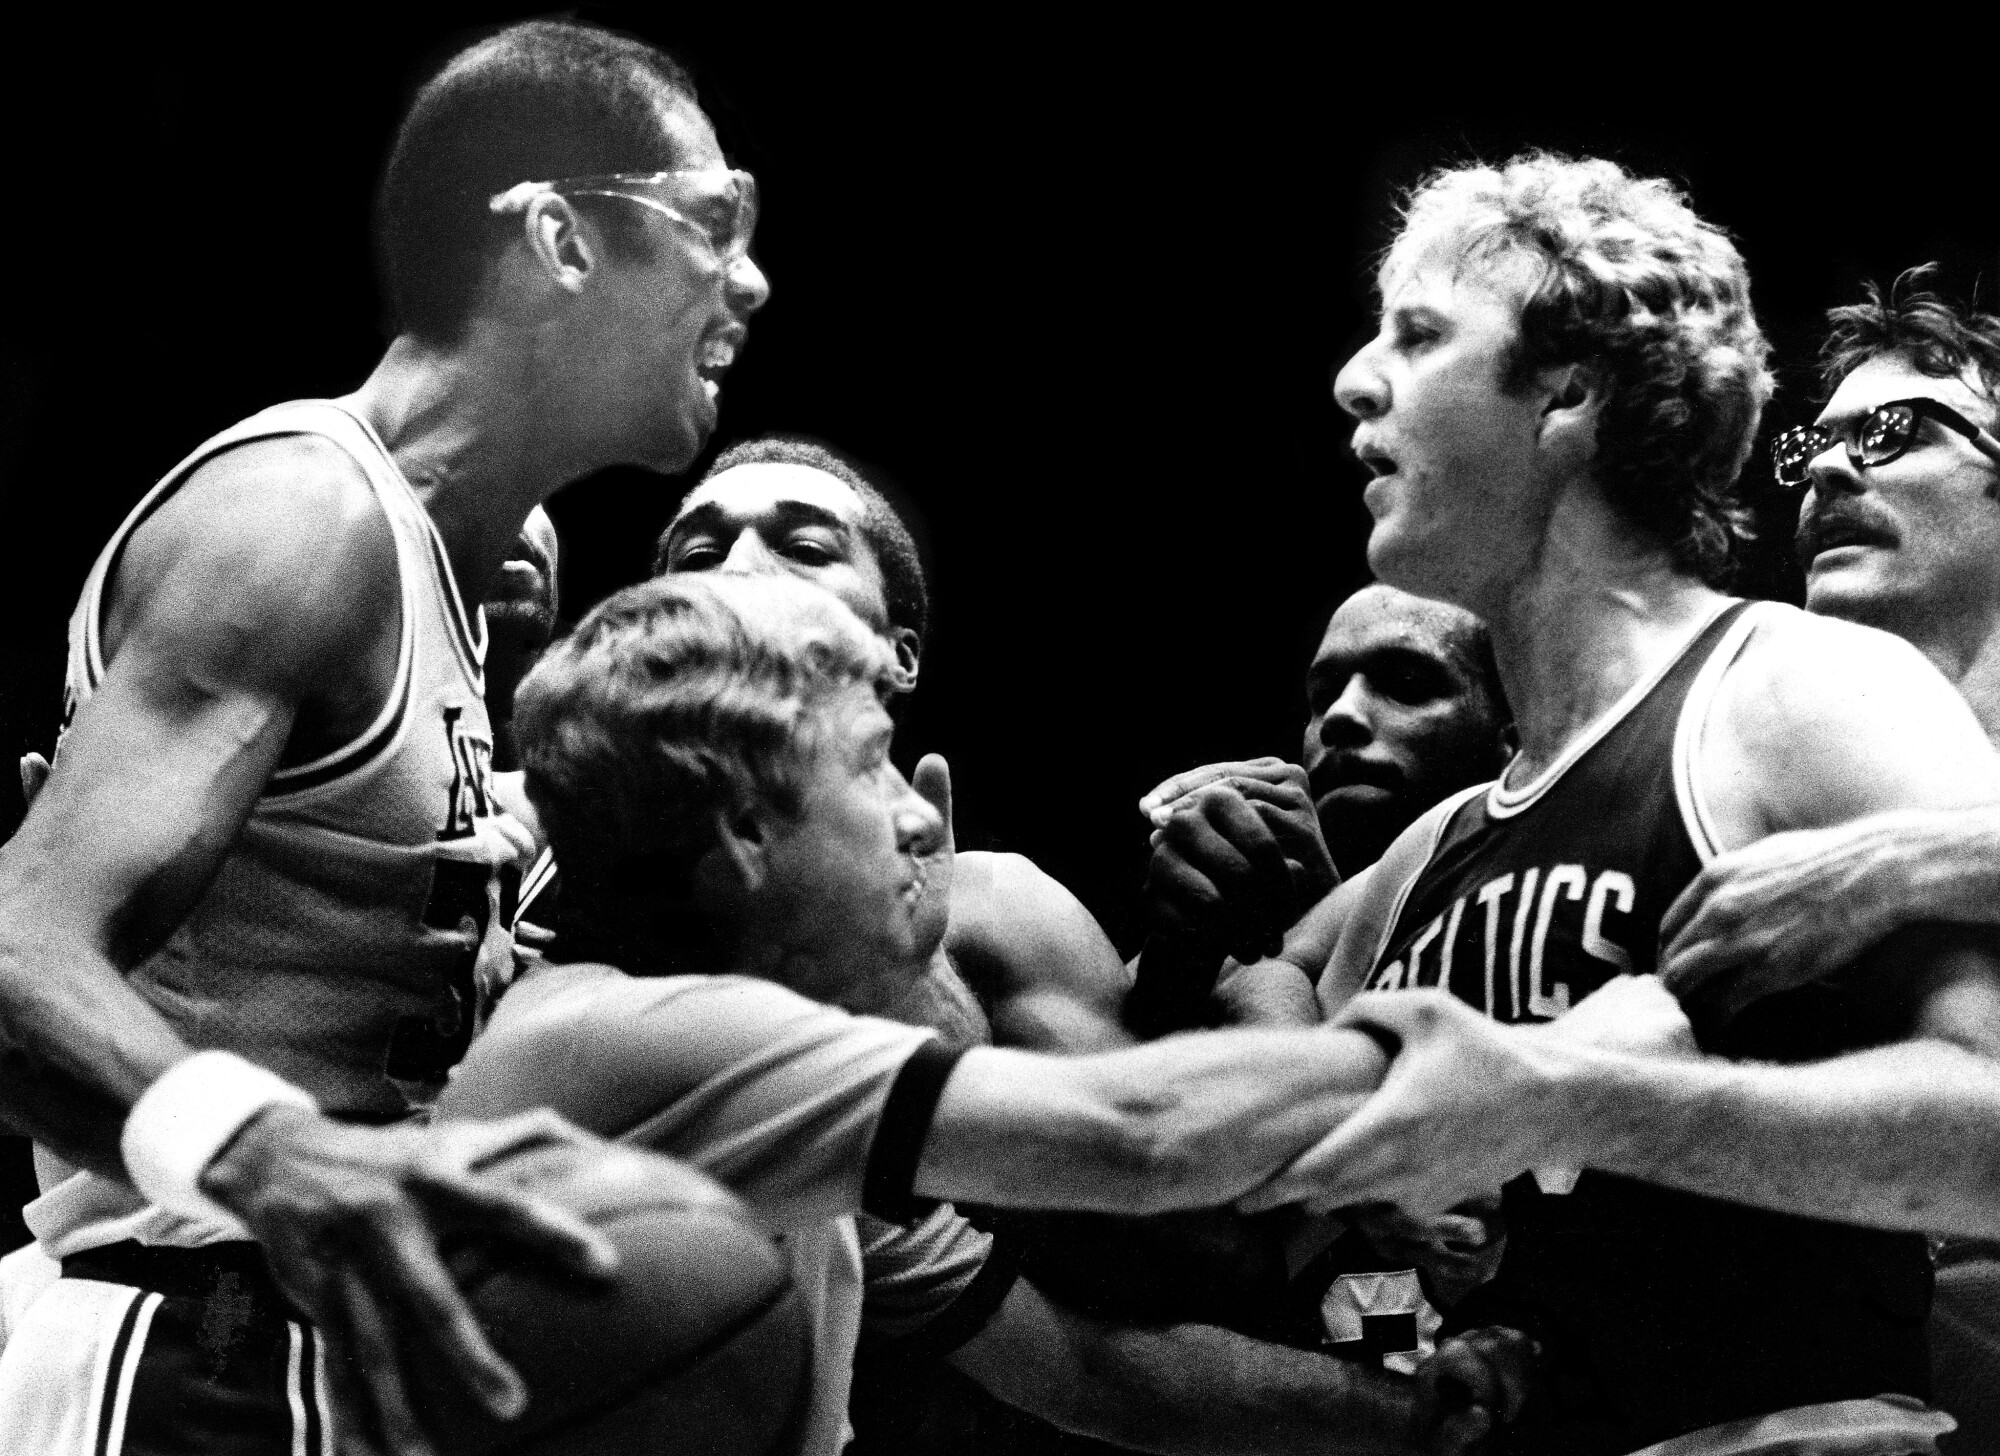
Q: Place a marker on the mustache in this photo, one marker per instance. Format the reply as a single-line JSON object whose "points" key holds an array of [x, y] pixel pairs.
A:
{"points": [[1840, 524]]}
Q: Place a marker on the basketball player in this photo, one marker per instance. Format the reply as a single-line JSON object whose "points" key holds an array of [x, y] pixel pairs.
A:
{"points": [[1403, 706], [1566, 382], [709, 755], [269, 832], [1898, 528], [1022, 962], [1018, 962]]}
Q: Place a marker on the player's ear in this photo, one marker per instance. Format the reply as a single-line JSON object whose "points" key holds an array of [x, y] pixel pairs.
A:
{"points": [[909, 656], [1572, 396], [563, 249], [738, 863]]}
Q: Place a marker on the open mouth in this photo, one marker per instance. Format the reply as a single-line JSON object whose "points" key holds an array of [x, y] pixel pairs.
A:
{"points": [[1373, 456], [717, 354], [1828, 533]]}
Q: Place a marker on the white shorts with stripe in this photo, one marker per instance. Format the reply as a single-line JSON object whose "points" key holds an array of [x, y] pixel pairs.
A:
{"points": [[95, 1368]]}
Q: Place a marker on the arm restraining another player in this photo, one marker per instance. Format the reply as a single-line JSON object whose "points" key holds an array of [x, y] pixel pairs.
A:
{"points": [[1812, 725], [759, 830], [1021, 963]]}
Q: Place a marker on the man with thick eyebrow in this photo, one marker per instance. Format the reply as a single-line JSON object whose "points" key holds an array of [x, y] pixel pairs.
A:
{"points": [[1899, 527], [1022, 962]]}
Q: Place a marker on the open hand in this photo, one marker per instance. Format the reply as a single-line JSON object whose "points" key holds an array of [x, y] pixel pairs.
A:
{"points": [[1793, 907], [351, 1219]]}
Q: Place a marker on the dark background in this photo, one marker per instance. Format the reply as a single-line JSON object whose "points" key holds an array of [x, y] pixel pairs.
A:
{"points": [[1077, 287]]}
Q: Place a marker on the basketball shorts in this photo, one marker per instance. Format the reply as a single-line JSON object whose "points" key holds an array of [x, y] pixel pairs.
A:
{"points": [[151, 1351]]}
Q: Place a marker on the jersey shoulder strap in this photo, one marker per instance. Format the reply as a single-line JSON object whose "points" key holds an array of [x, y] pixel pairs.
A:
{"points": [[1380, 892]]}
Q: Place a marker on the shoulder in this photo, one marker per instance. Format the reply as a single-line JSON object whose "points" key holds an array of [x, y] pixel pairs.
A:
{"points": [[1820, 721], [607, 1049], [1015, 928], [1353, 924], [276, 546]]}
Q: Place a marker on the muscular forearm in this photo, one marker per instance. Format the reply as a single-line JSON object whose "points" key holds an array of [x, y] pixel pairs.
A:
{"points": [[1188, 1122], [1904, 1136], [1932, 866], [1183, 1388], [77, 1047]]}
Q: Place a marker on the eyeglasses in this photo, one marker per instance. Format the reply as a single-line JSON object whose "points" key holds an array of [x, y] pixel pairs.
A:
{"points": [[719, 203], [1883, 435]]}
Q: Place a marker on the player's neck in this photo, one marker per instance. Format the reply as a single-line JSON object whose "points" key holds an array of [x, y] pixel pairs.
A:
{"points": [[1970, 658], [1599, 610], [462, 426]]}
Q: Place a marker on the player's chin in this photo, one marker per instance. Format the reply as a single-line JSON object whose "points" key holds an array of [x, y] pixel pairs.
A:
{"points": [[680, 439], [1848, 585], [1402, 563]]}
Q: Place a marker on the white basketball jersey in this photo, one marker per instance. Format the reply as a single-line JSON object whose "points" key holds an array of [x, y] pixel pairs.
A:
{"points": [[354, 931]]}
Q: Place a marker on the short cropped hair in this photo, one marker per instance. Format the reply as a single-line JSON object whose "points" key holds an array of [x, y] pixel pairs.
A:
{"points": [[1938, 336], [1476, 643], [673, 702], [905, 586], [1626, 280], [535, 102]]}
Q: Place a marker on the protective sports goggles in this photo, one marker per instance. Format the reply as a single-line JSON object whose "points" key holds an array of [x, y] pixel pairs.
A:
{"points": [[719, 203], [1882, 435]]}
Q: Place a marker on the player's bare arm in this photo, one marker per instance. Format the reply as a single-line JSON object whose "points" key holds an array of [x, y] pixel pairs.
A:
{"points": [[212, 651], [1192, 1388], [1897, 1135], [1186, 1122], [266, 576], [1793, 907], [1035, 956]]}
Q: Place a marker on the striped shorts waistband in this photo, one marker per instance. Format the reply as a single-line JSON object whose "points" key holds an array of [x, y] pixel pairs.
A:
{"points": [[183, 1273]]}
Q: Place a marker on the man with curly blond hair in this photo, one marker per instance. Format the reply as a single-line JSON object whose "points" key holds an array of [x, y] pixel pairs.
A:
{"points": [[1564, 388]]}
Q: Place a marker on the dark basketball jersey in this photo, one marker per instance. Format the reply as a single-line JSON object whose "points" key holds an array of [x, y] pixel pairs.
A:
{"points": [[1659, 1312]]}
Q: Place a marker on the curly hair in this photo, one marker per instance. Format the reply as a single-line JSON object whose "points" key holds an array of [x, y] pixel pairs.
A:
{"points": [[1939, 337], [675, 701], [1626, 280]]}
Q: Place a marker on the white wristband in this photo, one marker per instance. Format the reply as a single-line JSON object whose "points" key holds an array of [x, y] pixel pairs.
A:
{"points": [[187, 1116]]}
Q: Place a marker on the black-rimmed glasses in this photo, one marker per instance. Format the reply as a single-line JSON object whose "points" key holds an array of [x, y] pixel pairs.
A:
{"points": [[1882, 435]]}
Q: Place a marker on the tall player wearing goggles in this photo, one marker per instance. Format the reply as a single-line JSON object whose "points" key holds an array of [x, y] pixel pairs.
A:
{"points": [[1566, 384], [251, 919]]}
